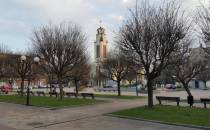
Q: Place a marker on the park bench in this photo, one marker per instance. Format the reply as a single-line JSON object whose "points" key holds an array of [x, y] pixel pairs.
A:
{"points": [[19, 93], [171, 99], [84, 95], [31, 93], [40, 93], [53, 93], [69, 94], [205, 101]]}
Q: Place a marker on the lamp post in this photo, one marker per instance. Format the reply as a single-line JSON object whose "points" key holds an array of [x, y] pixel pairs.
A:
{"points": [[22, 68], [23, 60], [137, 85], [10, 83]]}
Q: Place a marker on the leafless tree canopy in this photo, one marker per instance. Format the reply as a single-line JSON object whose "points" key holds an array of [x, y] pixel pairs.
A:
{"points": [[60, 47], [80, 72], [116, 67], [5, 59], [153, 34], [203, 14], [5, 49], [188, 67], [204, 76]]}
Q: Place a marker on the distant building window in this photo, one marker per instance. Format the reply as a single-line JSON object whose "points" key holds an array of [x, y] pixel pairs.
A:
{"points": [[97, 51], [104, 51]]}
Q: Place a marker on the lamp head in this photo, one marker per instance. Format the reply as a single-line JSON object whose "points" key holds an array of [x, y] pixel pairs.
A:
{"points": [[36, 59], [23, 58]]}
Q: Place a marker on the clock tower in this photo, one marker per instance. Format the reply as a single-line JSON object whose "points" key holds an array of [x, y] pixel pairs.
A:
{"points": [[100, 48], [100, 45]]}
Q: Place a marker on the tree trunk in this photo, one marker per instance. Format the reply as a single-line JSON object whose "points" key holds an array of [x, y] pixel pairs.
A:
{"points": [[22, 86], [187, 89], [61, 89], [50, 81], [76, 87], [118, 88], [190, 98], [150, 93]]}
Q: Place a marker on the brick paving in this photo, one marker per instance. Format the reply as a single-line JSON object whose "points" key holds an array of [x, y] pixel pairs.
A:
{"points": [[2, 127]]}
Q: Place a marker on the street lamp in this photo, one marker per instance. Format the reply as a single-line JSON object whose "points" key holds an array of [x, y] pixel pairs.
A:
{"points": [[10, 82], [137, 85], [22, 65], [23, 60], [36, 59]]}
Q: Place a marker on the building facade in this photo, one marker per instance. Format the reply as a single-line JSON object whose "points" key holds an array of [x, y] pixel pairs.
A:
{"points": [[100, 54]]}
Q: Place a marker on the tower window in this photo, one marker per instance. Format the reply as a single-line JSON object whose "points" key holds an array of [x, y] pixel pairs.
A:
{"points": [[101, 39], [97, 51], [104, 51]]}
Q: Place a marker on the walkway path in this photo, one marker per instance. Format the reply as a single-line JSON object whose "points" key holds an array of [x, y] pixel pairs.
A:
{"points": [[76, 118]]}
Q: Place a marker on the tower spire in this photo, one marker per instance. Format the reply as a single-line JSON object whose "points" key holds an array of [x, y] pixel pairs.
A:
{"points": [[100, 21]]}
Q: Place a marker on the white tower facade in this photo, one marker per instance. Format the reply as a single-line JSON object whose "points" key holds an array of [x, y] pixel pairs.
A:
{"points": [[100, 49], [100, 45]]}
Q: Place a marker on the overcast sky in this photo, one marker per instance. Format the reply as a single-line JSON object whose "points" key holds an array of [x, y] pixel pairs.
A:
{"points": [[19, 17]]}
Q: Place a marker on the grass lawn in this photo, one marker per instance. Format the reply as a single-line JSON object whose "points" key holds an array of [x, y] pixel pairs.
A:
{"points": [[170, 114], [48, 101], [118, 97]]}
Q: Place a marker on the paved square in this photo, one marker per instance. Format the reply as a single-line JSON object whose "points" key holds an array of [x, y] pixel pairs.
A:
{"points": [[79, 118]]}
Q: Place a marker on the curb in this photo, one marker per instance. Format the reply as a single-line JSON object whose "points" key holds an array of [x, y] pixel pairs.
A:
{"points": [[160, 122]]}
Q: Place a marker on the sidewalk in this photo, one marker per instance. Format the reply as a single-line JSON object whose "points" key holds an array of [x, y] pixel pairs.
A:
{"points": [[76, 118], [23, 117]]}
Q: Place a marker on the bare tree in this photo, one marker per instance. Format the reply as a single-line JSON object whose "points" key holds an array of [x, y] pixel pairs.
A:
{"points": [[80, 72], [204, 76], [166, 77], [131, 75], [203, 15], [152, 34], [115, 67], [5, 49], [48, 73], [5, 57], [23, 69], [60, 47], [188, 67]]}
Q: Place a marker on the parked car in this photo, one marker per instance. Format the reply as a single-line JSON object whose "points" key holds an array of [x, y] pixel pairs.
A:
{"points": [[108, 88], [170, 86], [5, 88]]}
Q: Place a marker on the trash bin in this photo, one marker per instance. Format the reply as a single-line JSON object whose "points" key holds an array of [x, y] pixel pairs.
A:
{"points": [[190, 100]]}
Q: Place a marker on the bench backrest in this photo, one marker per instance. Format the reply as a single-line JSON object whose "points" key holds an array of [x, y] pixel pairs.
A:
{"points": [[87, 94], [53, 93], [40, 92], [168, 98], [205, 99], [70, 93]]}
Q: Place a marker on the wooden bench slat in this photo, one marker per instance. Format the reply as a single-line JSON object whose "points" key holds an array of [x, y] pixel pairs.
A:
{"points": [[69, 94], [176, 99]]}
